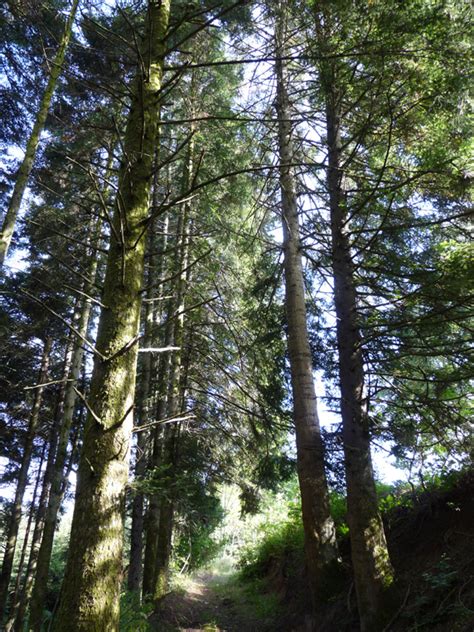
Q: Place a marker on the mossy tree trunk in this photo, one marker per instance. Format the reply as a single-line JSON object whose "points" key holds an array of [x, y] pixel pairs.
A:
{"points": [[135, 568], [45, 489], [166, 516], [160, 511], [26, 166], [39, 587], [15, 516], [370, 559], [91, 588], [171, 440], [82, 322], [320, 536]]}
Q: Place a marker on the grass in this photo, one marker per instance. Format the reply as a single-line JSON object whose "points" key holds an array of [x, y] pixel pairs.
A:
{"points": [[221, 601], [250, 600]]}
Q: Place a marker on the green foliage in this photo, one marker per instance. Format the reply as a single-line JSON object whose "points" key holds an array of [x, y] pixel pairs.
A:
{"points": [[442, 576], [133, 614], [263, 604], [249, 500], [405, 134], [283, 539], [338, 512], [392, 496], [58, 564], [457, 260], [199, 512], [56, 570], [279, 541], [197, 550], [434, 604], [251, 600]]}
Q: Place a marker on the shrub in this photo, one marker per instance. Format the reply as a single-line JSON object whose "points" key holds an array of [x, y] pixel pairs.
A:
{"points": [[283, 540], [133, 614]]}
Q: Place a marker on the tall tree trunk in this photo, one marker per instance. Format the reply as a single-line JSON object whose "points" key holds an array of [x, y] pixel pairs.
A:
{"points": [[170, 439], [38, 535], [91, 588], [46, 488], [153, 303], [15, 517], [135, 568], [152, 521], [175, 388], [35, 541], [370, 559], [72, 374], [166, 516], [176, 405], [17, 593], [320, 535], [161, 509], [24, 171]]}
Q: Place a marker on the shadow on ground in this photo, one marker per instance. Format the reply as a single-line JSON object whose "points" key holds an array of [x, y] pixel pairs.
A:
{"points": [[215, 603]]}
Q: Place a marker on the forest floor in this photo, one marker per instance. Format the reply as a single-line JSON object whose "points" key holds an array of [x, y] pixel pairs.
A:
{"points": [[213, 602], [430, 538]]}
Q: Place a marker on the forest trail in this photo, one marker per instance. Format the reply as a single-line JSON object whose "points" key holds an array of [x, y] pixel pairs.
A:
{"points": [[215, 603]]}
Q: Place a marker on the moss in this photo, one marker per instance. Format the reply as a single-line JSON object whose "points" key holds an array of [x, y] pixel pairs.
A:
{"points": [[90, 595]]}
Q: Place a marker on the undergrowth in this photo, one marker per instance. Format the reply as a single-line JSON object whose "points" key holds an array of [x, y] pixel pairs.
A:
{"points": [[250, 598], [285, 539], [440, 587], [134, 614]]}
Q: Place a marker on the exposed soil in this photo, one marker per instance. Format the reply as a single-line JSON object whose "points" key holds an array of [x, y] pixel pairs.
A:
{"points": [[432, 548], [213, 603]]}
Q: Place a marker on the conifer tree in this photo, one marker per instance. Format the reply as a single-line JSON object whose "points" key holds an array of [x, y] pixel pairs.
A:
{"points": [[15, 517], [89, 597], [320, 537], [9, 220]]}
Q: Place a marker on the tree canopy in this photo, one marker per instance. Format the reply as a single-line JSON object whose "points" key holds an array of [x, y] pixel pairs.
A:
{"points": [[212, 211]]}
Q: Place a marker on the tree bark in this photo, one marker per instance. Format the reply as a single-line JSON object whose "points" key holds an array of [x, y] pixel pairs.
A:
{"points": [[135, 568], [320, 536], [161, 510], [45, 491], [166, 516], [91, 588], [15, 517], [17, 594], [35, 540], [152, 522], [370, 559], [58, 487], [24, 171], [171, 434], [175, 390], [145, 396]]}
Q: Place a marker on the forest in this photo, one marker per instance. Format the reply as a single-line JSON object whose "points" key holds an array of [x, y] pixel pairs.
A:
{"points": [[236, 316]]}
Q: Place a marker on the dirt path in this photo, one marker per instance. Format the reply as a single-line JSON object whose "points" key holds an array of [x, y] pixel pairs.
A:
{"points": [[213, 603]]}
